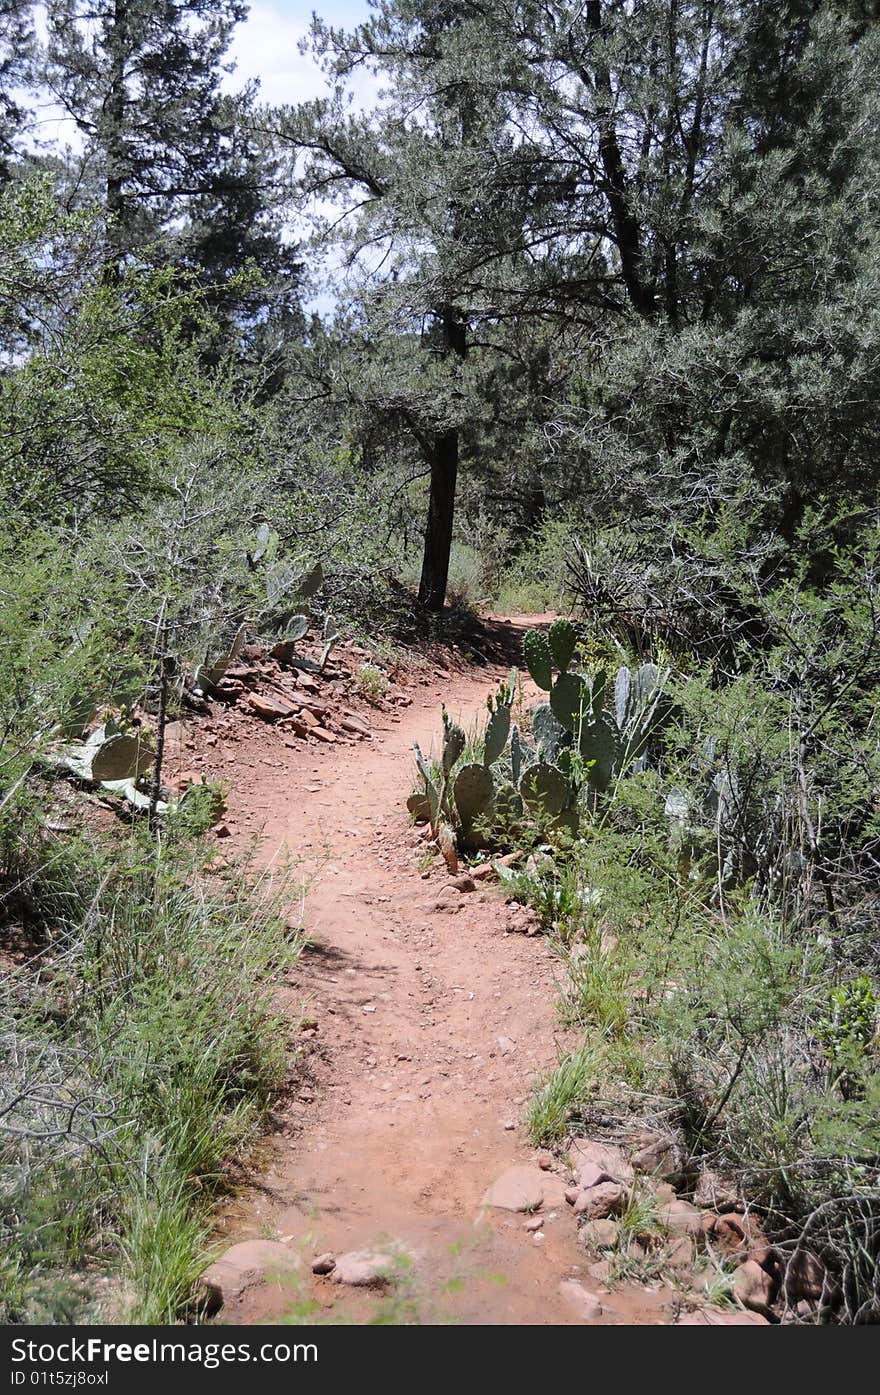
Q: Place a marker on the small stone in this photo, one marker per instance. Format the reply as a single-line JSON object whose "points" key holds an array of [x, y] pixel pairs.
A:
{"points": [[324, 1264], [606, 1199], [753, 1286], [600, 1234], [590, 1175], [544, 1161], [602, 1155], [680, 1218], [533, 1223], [584, 1303], [464, 884], [523, 1188], [572, 1194], [365, 1269], [505, 1045], [509, 1126], [720, 1317], [245, 1265], [680, 1253]]}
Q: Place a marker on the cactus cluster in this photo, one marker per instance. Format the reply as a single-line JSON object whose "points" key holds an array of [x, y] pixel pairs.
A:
{"points": [[608, 730], [209, 674]]}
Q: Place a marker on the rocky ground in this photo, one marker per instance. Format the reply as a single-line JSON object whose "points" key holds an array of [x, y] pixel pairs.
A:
{"points": [[399, 1182]]}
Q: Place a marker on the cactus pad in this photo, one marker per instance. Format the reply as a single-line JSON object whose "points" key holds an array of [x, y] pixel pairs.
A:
{"points": [[567, 699], [545, 788], [536, 652], [562, 641]]}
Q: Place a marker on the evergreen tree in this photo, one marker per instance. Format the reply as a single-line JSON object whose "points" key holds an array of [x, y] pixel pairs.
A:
{"points": [[16, 59]]}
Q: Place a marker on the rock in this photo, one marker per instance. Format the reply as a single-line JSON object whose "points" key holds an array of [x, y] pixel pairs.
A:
{"points": [[464, 884], [322, 734], [601, 1234], [270, 709], [533, 1223], [572, 1194], [741, 1235], [584, 1303], [245, 1266], [680, 1253], [720, 1317], [713, 1193], [601, 1270], [805, 1276], [505, 1045], [659, 1157], [222, 830], [590, 1175], [308, 718], [357, 726], [602, 1155], [544, 1161], [365, 1268], [595, 1203], [324, 1264], [523, 1188], [680, 1218], [753, 1287]]}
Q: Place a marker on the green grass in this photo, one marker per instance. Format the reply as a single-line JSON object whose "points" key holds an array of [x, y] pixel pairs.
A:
{"points": [[154, 1017], [557, 1102]]}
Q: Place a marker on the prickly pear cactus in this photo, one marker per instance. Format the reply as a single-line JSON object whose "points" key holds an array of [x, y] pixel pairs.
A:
{"points": [[550, 734], [545, 789], [599, 746], [454, 742], [568, 698], [539, 661], [330, 637], [497, 730], [562, 642], [474, 793], [296, 629]]}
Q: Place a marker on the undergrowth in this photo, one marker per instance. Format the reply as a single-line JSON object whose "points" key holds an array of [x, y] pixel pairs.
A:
{"points": [[140, 1053]]}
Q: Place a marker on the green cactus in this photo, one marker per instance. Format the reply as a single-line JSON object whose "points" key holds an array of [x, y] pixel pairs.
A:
{"points": [[544, 789], [539, 662], [517, 753], [297, 629], [454, 742], [432, 794], [568, 699], [599, 746], [264, 537], [495, 738], [474, 794], [330, 637], [550, 734], [562, 642], [208, 676]]}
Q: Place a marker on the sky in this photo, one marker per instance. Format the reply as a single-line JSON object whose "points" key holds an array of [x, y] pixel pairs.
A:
{"points": [[266, 46]]}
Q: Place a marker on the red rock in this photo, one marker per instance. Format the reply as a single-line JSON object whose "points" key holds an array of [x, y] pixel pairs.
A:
{"points": [[269, 708], [544, 1161], [590, 1175], [721, 1317], [753, 1287], [245, 1266], [324, 1264], [308, 718], [805, 1276], [523, 1188], [602, 1155], [680, 1218], [601, 1234], [583, 1303], [365, 1268], [322, 734], [606, 1199], [222, 830]]}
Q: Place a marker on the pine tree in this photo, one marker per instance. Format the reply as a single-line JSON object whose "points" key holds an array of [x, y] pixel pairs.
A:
{"points": [[16, 71]]}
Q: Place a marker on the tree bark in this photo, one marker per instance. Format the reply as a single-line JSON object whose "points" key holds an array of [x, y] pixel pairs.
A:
{"points": [[438, 530], [443, 458]]}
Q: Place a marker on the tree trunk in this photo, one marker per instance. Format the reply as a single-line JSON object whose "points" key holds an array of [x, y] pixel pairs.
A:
{"points": [[438, 531], [444, 477]]}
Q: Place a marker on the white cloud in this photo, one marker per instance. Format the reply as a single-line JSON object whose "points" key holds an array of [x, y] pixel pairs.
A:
{"points": [[266, 47]]}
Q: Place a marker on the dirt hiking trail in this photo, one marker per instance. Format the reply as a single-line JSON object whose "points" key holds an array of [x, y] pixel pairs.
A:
{"points": [[422, 1024]]}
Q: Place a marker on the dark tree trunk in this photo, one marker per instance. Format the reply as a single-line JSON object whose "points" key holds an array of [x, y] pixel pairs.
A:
{"points": [[443, 457], [438, 531]]}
